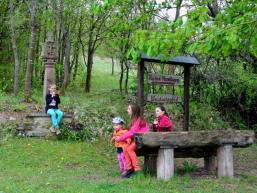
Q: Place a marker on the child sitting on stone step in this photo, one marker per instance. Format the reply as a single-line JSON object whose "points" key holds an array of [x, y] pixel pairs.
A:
{"points": [[52, 101]]}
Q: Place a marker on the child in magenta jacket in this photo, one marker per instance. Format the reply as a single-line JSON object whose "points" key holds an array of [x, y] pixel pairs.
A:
{"points": [[137, 125], [162, 123]]}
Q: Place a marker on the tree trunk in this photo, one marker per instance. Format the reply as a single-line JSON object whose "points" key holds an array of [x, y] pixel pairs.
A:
{"points": [[121, 74], [178, 7], [89, 70], [127, 76], [37, 54], [90, 54], [112, 66], [14, 48], [67, 60], [213, 8], [75, 67], [28, 80]]}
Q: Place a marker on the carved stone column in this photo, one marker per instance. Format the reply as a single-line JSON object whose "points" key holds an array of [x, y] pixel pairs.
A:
{"points": [[49, 56]]}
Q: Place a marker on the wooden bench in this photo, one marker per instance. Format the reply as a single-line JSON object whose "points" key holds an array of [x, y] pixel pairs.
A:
{"points": [[216, 147], [38, 124]]}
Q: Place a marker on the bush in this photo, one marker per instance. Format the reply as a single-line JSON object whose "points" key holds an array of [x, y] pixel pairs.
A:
{"points": [[76, 132], [188, 166], [205, 117], [7, 130]]}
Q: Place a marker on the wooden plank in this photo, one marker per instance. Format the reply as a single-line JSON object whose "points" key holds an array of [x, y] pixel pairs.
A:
{"points": [[140, 90], [214, 138], [225, 161], [165, 163], [163, 79], [178, 60], [186, 97], [155, 98]]}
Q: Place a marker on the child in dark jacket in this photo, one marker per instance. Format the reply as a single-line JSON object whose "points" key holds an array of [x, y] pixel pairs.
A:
{"points": [[52, 101], [162, 123]]}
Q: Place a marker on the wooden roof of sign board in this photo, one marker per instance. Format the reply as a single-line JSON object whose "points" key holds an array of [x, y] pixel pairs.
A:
{"points": [[178, 60]]}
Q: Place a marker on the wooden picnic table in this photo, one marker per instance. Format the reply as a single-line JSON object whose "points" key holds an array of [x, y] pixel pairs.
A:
{"points": [[216, 147]]}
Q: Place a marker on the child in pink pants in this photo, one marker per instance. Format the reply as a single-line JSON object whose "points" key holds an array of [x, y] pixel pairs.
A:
{"points": [[118, 126], [137, 125]]}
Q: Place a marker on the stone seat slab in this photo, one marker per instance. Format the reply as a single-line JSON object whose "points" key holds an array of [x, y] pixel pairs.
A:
{"points": [[38, 124]]}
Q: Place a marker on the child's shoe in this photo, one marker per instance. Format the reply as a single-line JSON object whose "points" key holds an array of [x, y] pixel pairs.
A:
{"points": [[52, 129], [123, 173], [58, 132], [128, 173]]}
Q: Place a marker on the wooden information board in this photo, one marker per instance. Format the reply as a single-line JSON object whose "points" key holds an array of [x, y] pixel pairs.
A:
{"points": [[163, 79], [155, 98]]}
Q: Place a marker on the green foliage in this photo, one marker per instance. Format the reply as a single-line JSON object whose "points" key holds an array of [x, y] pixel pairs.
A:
{"points": [[188, 166], [205, 117], [11, 103], [7, 131], [70, 133], [229, 87]]}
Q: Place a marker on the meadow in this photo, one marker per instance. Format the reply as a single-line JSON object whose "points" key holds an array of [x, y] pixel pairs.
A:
{"points": [[51, 166]]}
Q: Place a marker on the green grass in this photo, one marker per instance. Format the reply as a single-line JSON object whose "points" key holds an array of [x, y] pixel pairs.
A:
{"points": [[38, 165]]}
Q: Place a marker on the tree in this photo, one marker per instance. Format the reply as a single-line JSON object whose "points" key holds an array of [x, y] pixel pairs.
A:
{"points": [[32, 6], [132, 15], [97, 15], [14, 47]]}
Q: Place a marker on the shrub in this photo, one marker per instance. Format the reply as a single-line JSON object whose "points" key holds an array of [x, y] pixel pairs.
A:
{"points": [[7, 130], [188, 166]]}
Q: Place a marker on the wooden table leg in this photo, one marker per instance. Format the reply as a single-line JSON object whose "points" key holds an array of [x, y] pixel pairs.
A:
{"points": [[210, 163], [150, 163], [165, 163], [225, 161]]}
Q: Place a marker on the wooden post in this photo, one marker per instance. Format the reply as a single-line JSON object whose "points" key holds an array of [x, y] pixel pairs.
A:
{"points": [[49, 56], [140, 90], [186, 96], [225, 161], [165, 163], [210, 163], [150, 163]]}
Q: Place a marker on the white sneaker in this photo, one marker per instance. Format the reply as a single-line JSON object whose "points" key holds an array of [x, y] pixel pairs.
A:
{"points": [[52, 129], [58, 132]]}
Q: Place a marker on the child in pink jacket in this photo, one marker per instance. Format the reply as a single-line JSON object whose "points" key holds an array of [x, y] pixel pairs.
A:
{"points": [[137, 125], [162, 123]]}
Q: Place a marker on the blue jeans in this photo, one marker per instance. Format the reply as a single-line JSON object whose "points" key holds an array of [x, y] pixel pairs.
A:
{"points": [[56, 116]]}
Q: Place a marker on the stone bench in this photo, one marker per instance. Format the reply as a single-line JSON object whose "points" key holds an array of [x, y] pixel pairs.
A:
{"points": [[38, 124], [216, 147]]}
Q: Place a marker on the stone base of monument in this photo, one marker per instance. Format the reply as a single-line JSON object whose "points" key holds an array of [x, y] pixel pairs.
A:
{"points": [[38, 125]]}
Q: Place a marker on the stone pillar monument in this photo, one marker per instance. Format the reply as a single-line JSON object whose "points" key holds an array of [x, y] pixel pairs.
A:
{"points": [[49, 56]]}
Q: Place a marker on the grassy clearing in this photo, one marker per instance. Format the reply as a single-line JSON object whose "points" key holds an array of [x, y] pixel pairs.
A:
{"points": [[38, 165]]}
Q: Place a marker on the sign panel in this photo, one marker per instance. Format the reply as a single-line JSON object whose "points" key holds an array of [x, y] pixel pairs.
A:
{"points": [[163, 79], [155, 98]]}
